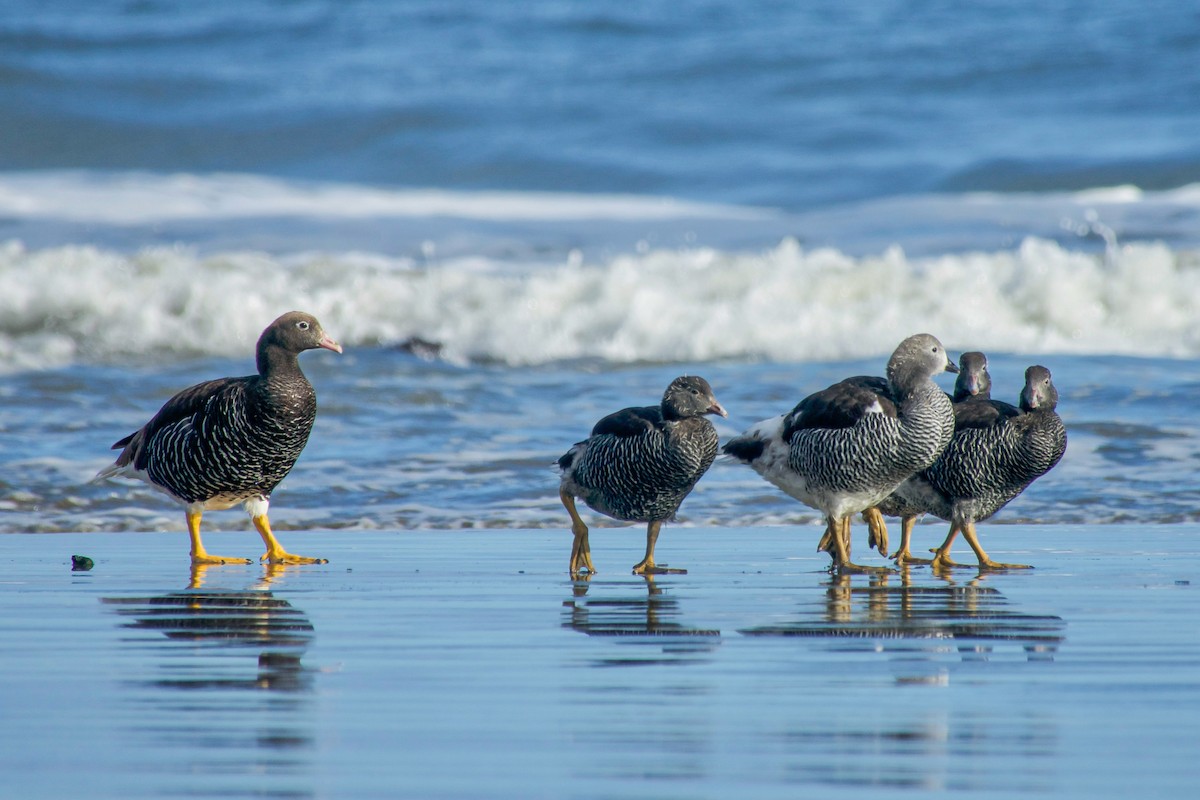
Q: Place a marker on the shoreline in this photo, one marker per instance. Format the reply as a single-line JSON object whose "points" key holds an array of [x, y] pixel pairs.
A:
{"points": [[755, 672]]}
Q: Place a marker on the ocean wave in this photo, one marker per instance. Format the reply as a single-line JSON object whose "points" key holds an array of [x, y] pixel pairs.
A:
{"points": [[786, 303], [127, 198]]}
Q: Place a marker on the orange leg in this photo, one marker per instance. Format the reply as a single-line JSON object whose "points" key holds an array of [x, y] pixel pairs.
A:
{"points": [[647, 566], [826, 542], [904, 554], [275, 553], [985, 562], [941, 555], [877, 532], [581, 551], [199, 554], [841, 554]]}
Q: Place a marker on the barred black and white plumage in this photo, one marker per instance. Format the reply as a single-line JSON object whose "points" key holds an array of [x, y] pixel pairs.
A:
{"points": [[989, 462], [844, 449], [973, 407], [639, 464], [231, 441], [643, 477]]}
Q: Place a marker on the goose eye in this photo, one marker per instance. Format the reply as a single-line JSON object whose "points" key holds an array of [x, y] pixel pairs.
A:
{"points": [[302, 325]]}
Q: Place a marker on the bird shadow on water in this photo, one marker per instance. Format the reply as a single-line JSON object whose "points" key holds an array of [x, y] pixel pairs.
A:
{"points": [[646, 619], [216, 675]]}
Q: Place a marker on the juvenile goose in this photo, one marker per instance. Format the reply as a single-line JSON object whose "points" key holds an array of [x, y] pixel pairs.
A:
{"points": [[973, 408], [639, 464], [231, 441], [844, 449], [989, 461]]}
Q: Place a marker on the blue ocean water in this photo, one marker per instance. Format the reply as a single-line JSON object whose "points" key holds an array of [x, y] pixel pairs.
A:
{"points": [[518, 217], [790, 105]]}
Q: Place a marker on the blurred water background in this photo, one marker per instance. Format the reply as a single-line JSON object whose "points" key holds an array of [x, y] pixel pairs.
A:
{"points": [[518, 217]]}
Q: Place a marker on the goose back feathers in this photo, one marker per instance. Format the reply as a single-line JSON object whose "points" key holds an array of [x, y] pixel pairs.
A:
{"points": [[639, 463], [229, 440], [844, 448], [995, 454]]}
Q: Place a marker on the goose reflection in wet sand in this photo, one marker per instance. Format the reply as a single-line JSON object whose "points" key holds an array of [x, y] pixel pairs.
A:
{"points": [[215, 627], [218, 621], [649, 617], [894, 614], [216, 675]]}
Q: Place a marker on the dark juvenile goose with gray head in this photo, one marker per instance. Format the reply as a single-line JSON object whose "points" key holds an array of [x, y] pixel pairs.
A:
{"points": [[231, 441], [844, 449], [639, 464], [973, 408], [990, 460]]}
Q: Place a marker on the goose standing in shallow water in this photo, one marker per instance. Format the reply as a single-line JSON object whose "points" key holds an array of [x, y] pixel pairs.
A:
{"points": [[844, 449], [231, 441], [639, 464], [989, 462]]}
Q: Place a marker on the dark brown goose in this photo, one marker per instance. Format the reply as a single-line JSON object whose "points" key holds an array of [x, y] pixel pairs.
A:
{"points": [[230, 441]]}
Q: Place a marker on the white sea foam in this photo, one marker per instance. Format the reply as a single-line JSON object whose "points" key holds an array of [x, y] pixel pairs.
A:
{"points": [[78, 303]]}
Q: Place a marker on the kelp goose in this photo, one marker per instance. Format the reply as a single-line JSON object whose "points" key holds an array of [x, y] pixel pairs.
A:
{"points": [[989, 462], [230, 441], [639, 464], [973, 407], [844, 449]]}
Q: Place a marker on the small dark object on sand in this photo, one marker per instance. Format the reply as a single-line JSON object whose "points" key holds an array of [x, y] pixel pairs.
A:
{"points": [[81, 563]]}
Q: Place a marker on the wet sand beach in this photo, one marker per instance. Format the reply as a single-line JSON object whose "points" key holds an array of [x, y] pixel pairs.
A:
{"points": [[467, 665]]}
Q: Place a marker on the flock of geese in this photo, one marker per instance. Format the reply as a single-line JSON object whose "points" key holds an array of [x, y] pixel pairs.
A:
{"points": [[895, 445]]}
